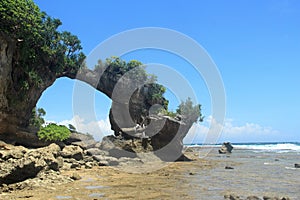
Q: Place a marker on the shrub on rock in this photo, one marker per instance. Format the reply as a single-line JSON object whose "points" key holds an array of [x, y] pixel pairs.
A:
{"points": [[54, 132]]}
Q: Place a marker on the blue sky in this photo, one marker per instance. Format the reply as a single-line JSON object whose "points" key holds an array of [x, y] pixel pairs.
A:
{"points": [[255, 45]]}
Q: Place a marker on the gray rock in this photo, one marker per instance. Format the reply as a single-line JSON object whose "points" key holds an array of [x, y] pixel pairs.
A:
{"points": [[96, 151], [72, 152], [106, 160], [297, 165], [226, 148]]}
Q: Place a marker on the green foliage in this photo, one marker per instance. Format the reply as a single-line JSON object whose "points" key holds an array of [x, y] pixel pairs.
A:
{"points": [[20, 18], [136, 71], [54, 132], [189, 111], [40, 48], [37, 119]]}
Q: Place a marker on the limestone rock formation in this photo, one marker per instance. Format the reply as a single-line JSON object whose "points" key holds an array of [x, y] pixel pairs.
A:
{"points": [[162, 134], [21, 164]]}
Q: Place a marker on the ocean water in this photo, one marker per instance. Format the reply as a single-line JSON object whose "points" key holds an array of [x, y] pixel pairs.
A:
{"points": [[261, 169], [276, 147]]}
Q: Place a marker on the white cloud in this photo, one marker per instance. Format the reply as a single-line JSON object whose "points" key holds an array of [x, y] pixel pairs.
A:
{"points": [[98, 129], [212, 132], [207, 132]]}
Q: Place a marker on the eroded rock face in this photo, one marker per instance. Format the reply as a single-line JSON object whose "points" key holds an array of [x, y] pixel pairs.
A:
{"points": [[162, 135], [20, 163]]}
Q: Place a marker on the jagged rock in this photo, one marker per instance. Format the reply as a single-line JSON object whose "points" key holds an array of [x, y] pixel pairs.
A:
{"points": [[167, 136], [72, 152], [18, 169], [226, 148], [14, 153], [163, 135]]}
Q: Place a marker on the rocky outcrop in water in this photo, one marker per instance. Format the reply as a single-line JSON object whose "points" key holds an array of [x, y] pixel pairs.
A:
{"points": [[226, 148]]}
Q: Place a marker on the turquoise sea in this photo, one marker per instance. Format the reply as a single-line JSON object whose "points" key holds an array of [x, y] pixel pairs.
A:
{"points": [[260, 169]]}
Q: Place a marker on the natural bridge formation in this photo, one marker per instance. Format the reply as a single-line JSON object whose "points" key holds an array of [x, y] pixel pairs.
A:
{"points": [[33, 54]]}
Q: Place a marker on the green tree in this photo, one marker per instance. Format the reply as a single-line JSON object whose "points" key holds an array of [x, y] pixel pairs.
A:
{"points": [[189, 111], [54, 132], [34, 53], [37, 118]]}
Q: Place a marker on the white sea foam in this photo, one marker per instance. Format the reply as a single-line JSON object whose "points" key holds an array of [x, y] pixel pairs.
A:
{"points": [[279, 147], [258, 147]]}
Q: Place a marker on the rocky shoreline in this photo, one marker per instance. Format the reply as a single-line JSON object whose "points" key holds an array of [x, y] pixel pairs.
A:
{"points": [[22, 167], [27, 173]]}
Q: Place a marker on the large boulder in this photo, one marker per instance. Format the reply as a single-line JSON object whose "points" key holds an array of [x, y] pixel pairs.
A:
{"points": [[72, 151], [226, 148], [84, 141], [162, 134], [25, 138]]}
